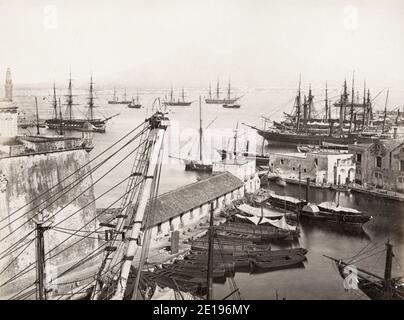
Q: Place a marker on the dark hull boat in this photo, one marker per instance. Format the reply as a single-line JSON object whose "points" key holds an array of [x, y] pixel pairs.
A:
{"points": [[280, 262], [77, 125], [346, 218], [177, 103], [197, 166], [221, 101], [231, 106], [281, 138], [260, 159]]}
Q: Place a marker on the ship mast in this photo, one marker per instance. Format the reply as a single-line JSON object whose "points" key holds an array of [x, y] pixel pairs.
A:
{"points": [[55, 103], [115, 94], [298, 105], [217, 89], [326, 103], [352, 102], [91, 101], [385, 112], [37, 116], [228, 92], [210, 91], [171, 95], [61, 119], [310, 103], [183, 95], [124, 95], [364, 105], [200, 129], [69, 100]]}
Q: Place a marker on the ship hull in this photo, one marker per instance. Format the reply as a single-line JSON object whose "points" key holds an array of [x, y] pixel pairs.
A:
{"points": [[277, 138], [194, 166], [119, 102], [76, 125], [220, 101], [179, 104], [134, 106]]}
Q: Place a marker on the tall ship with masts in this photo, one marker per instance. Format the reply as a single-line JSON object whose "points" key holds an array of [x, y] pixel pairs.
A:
{"points": [[69, 122], [303, 126], [217, 99], [115, 99], [178, 102]]}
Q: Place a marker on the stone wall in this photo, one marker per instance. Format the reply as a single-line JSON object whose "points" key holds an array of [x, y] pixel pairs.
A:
{"points": [[23, 180]]}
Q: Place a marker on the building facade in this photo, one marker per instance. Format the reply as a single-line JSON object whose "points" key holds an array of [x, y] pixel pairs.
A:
{"points": [[321, 167], [380, 164]]}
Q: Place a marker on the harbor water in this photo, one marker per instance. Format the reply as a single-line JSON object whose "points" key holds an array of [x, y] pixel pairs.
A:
{"points": [[319, 278]]}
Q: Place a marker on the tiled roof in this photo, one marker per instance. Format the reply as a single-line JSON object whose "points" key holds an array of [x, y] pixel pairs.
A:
{"points": [[183, 199]]}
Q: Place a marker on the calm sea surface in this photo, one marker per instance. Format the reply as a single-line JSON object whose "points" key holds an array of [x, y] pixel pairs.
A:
{"points": [[319, 278]]}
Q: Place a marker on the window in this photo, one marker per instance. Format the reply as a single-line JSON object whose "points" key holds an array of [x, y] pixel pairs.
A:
{"points": [[171, 224], [359, 158], [200, 209], [304, 170], [159, 230], [379, 162], [281, 161], [191, 214], [402, 165], [316, 161], [293, 168]]}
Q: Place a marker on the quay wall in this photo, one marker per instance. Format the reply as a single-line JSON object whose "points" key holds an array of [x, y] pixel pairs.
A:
{"points": [[23, 180]]}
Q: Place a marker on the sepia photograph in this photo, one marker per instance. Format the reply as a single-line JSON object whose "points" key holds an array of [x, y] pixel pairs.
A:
{"points": [[226, 150]]}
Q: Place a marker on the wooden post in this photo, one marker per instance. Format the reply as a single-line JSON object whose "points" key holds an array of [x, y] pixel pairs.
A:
{"points": [[307, 189], [210, 255], [40, 258]]}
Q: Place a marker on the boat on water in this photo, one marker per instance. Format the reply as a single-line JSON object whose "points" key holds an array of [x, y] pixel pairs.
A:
{"points": [[280, 182], [340, 188], [331, 213], [281, 262], [301, 127], [230, 101], [178, 102], [376, 287], [231, 106], [115, 99], [69, 122], [135, 104]]}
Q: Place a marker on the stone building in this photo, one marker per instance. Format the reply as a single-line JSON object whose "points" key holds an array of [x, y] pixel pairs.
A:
{"points": [[380, 164], [319, 167]]}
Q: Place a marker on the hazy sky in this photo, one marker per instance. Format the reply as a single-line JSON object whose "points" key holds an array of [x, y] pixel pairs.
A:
{"points": [[189, 43]]}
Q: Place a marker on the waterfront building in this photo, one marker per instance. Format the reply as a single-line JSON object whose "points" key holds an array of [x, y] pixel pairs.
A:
{"points": [[323, 168], [380, 164]]}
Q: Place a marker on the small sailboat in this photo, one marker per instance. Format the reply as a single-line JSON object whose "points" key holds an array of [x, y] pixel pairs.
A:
{"points": [[199, 165]]}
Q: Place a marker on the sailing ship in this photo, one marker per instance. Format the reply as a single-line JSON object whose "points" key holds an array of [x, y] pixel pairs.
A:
{"points": [[198, 165], [229, 102], [181, 103], [302, 127], [135, 104], [372, 285], [115, 99], [68, 122]]}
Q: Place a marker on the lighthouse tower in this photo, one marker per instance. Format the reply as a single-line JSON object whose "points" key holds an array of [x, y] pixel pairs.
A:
{"points": [[8, 86], [8, 111]]}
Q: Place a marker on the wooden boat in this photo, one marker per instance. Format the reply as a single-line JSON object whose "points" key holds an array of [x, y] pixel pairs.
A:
{"points": [[345, 217], [218, 272], [218, 100], [279, 262], [201, 263], [229, 247], [180, 103], [263, 232], [231, 106], [374, 286], [285, 202], [340, 188], [135, 104]]}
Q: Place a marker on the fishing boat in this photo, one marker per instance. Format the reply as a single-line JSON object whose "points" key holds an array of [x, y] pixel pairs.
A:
{"points": [[181, 103], [135, 104], [115, 99], [276, 263], [331, 213], [231, 106], [218, 273], [285, 202], [218, 100], [374, 286], [69, 122]]}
